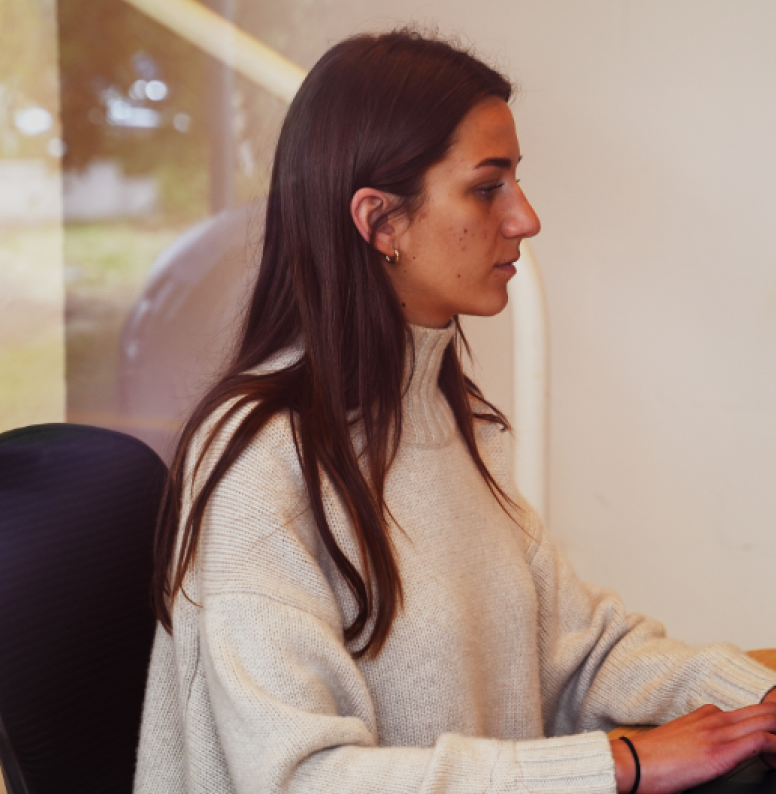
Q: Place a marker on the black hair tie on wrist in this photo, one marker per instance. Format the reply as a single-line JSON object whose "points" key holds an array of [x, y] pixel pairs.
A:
{"points": [[638, 765]]}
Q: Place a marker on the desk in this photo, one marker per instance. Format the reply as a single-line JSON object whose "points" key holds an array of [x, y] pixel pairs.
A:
{"points": [[766, 657]]}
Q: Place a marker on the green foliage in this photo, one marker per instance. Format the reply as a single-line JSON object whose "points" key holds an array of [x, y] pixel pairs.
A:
{"points": [[99, 42], [104, 47], [110, 260], [183, 189]]}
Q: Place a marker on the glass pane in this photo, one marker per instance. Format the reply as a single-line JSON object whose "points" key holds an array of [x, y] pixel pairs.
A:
{"points": [[166, 160], [31, 326]]}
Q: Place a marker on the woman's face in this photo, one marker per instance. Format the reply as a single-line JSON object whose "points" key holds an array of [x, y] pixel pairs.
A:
{"points": [[456, 254]]}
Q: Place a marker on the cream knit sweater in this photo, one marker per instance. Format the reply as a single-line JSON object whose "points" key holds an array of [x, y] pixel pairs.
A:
{"points": [[498, 646]]}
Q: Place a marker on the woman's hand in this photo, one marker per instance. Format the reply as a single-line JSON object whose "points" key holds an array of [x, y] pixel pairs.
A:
{"points": [[698, 747], [770, 758]]}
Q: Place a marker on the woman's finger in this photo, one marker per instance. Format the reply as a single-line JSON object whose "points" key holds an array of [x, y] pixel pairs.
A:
{"points": [[752, 744], [756, 723], [747, 712]]}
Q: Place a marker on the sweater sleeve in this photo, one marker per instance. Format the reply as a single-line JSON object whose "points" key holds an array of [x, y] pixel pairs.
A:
{"points": [[603, 667], [600, 666], [293, 714], [291, 708]]}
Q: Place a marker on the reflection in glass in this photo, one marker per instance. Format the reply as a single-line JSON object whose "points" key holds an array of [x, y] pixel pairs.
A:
{"points": [[163, 146]]}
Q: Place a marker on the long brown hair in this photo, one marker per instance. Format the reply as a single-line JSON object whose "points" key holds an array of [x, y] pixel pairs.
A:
{"points": [[375, 111]]}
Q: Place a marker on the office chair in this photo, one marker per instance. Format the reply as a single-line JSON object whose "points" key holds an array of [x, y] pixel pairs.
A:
{"points": [[78, 508]]}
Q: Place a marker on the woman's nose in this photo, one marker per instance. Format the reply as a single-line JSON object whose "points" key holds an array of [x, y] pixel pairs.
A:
{"points": [[521, 220]]}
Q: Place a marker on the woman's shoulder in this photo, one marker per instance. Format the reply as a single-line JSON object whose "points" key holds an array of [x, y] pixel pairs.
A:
{"points": [[226, 419], [257, 516], [226, 425], [282, 359], [266, 445]]}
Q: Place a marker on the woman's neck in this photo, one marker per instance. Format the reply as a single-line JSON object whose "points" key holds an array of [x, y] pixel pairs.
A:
{"points": [[427, 417]]}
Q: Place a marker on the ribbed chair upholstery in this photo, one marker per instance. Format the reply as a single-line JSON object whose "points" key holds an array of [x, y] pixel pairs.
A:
{"points": [[78, 507]]}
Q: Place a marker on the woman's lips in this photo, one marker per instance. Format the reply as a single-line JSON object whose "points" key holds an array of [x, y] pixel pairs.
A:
{"points": [[507, 267]]}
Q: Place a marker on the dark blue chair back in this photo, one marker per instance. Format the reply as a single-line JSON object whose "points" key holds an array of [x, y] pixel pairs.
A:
{"points": [[78, 508]]}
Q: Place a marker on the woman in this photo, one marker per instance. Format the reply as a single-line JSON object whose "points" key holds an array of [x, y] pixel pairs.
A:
{"points": [[352, 597]]}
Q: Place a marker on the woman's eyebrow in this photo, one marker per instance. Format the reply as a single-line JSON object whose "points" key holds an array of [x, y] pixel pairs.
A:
{"points": [[498, 162]]}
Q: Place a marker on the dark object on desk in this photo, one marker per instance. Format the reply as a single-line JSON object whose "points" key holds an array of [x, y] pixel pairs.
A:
{"points": [[753, 776], [78, 509]]}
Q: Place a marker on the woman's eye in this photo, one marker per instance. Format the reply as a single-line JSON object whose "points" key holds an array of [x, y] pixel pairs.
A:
{"points": [[488, 191]]}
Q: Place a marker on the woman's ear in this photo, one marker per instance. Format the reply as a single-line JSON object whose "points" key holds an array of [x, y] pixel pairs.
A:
{"points": [[366, 205]]}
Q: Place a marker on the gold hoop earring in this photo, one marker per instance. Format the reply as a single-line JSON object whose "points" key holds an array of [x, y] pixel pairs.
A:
{"points": [[393, 260]]}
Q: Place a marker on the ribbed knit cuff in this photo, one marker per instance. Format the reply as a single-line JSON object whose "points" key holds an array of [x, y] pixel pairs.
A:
{"points": [[736, 680], [581, 763]]}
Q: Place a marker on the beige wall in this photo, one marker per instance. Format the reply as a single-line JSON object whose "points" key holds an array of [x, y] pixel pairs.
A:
{"points": [[648, 133]]}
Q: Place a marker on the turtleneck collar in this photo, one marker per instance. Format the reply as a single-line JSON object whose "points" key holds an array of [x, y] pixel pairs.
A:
{"points": [[427, 418]]}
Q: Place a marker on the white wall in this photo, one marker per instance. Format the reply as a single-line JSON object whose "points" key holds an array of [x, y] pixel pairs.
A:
{"points": [[653, 128], [648, 130]]}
